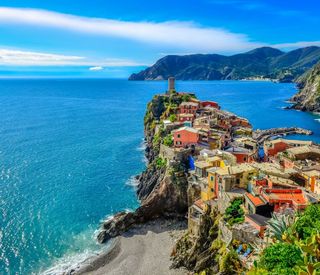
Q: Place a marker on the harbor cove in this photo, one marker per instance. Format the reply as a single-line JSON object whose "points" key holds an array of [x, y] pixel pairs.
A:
{"points": [[70, 148]]}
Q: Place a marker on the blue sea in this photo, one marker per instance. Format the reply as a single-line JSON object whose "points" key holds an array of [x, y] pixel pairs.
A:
{"points": [[69, 149]]}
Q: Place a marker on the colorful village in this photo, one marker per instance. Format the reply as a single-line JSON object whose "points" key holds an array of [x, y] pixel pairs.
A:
{"points": [[249, 181]]}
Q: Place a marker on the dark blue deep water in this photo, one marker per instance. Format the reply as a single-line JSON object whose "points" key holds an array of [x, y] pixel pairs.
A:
{"points": [[68, 149]]}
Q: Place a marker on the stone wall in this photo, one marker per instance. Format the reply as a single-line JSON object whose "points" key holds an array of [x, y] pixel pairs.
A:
{"points": [[241, 232], [174, 154]]}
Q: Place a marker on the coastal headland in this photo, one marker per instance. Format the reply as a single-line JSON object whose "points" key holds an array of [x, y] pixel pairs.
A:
{"points": [[204, 164]]}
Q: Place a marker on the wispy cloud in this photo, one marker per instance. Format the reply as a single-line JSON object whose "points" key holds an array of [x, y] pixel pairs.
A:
{"points": [[298, 44], [96, 68], [177, 34], [10, 57], [14, 57]]}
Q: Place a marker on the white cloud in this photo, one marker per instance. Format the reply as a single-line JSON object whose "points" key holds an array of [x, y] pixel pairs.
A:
{"points": [[181, 35], [10, 57], [96, 68], [299, 44], [17, 57]]}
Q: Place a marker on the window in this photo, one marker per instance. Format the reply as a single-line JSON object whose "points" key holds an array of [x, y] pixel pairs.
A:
{"points": [[178, 136], [211, 178]]}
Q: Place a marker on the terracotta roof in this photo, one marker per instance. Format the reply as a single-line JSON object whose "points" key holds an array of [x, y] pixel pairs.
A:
{"points": [[256, 200], [286, 195]]}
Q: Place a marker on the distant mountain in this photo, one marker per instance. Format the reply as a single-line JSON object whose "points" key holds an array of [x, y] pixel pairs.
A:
{"points": [[308, 98], [265, 62]]}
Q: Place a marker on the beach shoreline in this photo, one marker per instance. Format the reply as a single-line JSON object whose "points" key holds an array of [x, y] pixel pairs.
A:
{"points": [[138, 251]]}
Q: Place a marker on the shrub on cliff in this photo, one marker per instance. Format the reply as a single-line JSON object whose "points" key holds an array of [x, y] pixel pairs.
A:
{"points": [[172, 117], [168, 140], [160, 162], [234, 213], [230, 263]]}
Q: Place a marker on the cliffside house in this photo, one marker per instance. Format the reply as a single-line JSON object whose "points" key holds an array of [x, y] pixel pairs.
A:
{"points": [[185, 136], [188, 108], [273, 147], [243, 155], [273, 194], [195, 213], [312, 179], [259, 222], [185, 117], [300, 158]]}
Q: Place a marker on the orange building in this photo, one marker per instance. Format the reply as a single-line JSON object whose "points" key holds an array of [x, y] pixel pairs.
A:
{"points": [[293, 198], [185, 136]]}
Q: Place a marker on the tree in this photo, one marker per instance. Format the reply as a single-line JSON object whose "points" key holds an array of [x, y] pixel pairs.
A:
{"points": [[168, 140], [234, 213], [172, 117], [308, 222], [280, 258]]}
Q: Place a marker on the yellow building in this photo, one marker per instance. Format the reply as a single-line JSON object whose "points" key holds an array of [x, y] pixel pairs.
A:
{"points": [[224, 178], [312, 178], [208, 190]]}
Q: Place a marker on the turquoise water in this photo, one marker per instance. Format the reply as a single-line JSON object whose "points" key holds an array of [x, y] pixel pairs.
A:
{"points": [[68, 150]]}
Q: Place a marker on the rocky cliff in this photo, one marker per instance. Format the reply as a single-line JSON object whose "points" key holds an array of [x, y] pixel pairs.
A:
{"points": [[206, 253], [263, 62], [308, 98], [162, 186]]}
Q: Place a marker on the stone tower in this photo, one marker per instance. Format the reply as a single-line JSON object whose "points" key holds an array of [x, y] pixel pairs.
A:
{"points": [[171, 84]]}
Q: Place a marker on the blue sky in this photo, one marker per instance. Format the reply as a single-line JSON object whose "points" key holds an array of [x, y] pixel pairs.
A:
{"points": [[99, 38]]}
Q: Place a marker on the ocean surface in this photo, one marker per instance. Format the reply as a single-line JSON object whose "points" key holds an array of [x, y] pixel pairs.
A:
{"points": [[69, 149]]}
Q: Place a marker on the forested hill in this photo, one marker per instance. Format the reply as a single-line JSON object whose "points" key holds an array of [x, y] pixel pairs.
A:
{"points": [[265, 62]]}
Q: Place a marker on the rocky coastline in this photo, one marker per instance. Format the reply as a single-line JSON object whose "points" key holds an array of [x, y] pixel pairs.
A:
{"points": [[308, 97], [162, 190]]}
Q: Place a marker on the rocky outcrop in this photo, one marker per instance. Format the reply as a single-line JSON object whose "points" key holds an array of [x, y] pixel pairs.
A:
{"points": [[195, 252], [206, 253], [162, 188], [308, 98]]}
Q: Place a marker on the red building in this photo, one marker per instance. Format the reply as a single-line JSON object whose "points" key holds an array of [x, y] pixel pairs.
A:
{"points": [[242, 155], [211, 104], [185, 136], [272, 148]]}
